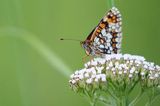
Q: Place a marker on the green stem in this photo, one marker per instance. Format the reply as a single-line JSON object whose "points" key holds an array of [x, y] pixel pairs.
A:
{"points": [[104, 101], [149, 103], [133, 86], [113, 96], [152, 97], [110, 3], [91, 98], [135, 101], [123, 101], [93, 101], [93, 104]]}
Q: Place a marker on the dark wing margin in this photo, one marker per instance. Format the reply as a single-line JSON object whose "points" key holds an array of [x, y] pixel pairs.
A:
{"points": [[90, 35]]}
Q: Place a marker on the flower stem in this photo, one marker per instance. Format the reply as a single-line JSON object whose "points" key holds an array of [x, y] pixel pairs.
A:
{"points": [[93, 101], [150, 101], [112, 94], [123, 101], [135, 101], [93, 104], [110, 3], [152, 98]]}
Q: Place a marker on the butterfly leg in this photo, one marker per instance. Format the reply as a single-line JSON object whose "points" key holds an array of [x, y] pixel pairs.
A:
{"points": [[91, 58], [84, 58]]}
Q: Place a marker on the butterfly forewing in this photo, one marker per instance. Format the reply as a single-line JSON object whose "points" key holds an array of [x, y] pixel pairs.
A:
{"points": [[106, 37]]}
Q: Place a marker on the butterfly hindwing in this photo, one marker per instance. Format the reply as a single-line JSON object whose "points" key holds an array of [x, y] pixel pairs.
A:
{"points": [[106, 37]]}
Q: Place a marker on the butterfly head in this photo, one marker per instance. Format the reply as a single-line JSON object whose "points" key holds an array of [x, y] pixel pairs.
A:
{"points": [[86, 46]]}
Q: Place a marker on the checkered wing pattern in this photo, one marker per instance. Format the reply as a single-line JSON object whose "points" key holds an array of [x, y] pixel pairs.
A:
{"points": [[106, 37]]}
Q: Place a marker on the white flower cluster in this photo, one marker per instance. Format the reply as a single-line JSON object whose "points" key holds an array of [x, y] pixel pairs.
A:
{"points": [[89, 75], [116, 66]]}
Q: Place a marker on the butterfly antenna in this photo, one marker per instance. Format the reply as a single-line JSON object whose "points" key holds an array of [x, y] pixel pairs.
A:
{"points": [[71, 39]]}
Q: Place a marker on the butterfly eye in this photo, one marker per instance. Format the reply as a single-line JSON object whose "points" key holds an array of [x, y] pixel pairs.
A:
{"points": [[81, 42]]}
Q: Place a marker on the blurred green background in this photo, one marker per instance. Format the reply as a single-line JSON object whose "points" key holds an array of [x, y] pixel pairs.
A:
{"points": [[34, 64]]}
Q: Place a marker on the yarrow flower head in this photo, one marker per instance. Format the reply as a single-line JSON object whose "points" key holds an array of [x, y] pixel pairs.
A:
{"points": [[115, 73]]}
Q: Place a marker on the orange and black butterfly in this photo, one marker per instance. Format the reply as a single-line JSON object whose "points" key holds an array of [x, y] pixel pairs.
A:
{"points": [[106, 37]]}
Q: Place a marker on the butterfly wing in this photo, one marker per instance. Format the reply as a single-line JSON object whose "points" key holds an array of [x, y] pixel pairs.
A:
{"points": [[106, 37]]}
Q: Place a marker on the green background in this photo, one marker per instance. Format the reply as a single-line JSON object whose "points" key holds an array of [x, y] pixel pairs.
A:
{"points": [[30, 29]]}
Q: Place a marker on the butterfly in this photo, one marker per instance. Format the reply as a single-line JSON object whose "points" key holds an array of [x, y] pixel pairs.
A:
{"points": [[106, 37]]}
